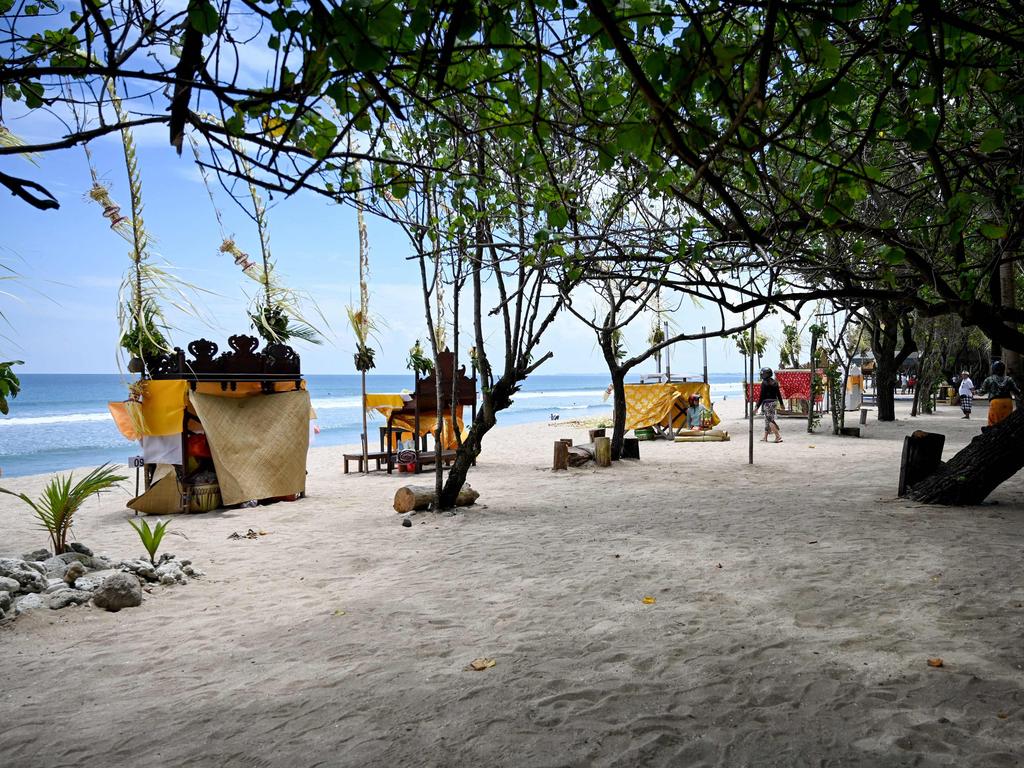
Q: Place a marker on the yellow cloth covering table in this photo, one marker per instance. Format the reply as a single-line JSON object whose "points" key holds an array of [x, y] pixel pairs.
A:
{"points": [[386, 403], [663, 405]]}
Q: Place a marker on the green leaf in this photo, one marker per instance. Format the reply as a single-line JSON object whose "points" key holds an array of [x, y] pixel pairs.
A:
{"points": [[992, 140], [235, 125], [924, 95], [6, 5], [557, 217], [873, 173], [919, 139], [993, 231], [843, 93], [893, 255], [33, 93], [203, 17]]}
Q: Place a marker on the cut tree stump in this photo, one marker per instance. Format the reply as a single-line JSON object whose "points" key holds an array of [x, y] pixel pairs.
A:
{"points": [[410, 497], [581, 454], [603, 451], [849, 431], [922, 455], [630, 448], [561, 459], [996, 455], [595, 433], [567, 441]]}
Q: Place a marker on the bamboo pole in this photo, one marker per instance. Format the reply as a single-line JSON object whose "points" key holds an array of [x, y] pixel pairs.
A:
{"points": [[750, 394], [704, 342], [366, 459]]}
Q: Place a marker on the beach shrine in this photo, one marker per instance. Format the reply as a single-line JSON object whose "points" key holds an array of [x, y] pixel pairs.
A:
{"points": [[221, 429]]}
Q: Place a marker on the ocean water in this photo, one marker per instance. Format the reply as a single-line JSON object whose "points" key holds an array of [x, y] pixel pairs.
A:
{"points": [[61, 421]]}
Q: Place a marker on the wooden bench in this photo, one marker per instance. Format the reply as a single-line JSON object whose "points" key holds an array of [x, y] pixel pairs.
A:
{"points": [[447, 457], [377, 456]]}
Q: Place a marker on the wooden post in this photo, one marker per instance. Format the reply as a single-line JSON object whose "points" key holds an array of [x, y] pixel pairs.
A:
{"points": [[567, 441], [603, 451], [630, 448], [595, 433], [366, 459], [922, 455], [750, 393], [561, 460], [863, 416]]}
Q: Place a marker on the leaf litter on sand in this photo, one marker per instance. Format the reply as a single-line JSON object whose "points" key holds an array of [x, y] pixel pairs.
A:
{"points": [[250, 534], [479, 665], [648, 600], [936, 662]]}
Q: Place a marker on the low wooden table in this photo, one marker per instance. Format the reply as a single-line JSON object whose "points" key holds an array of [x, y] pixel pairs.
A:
{"points": [[377, 456]]}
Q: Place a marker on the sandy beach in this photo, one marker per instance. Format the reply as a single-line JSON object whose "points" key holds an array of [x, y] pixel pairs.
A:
{"points": [[796, 604]]}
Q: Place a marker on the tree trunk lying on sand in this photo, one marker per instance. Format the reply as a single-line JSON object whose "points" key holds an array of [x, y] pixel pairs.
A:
{"points": [[410, 497], [581, 454], [972, 474]]}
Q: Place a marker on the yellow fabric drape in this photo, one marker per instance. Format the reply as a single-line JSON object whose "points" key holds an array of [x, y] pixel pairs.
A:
{"points": [[163, 405], [123, 418], [164, 401], [428, 424], [384, 403], [663, 404]]}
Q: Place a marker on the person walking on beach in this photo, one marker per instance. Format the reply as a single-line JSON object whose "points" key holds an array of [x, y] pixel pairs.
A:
{"points": [[766, 401], [1001, 390], [966, 393]]}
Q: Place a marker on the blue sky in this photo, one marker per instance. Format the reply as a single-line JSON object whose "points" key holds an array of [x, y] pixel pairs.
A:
{"points": [[62, 318]]}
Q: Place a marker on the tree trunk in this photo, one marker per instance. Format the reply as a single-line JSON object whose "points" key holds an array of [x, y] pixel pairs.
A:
{"points": [[498, 399], [884, 339], [618, 411], [972, 474], [1008, 291]]}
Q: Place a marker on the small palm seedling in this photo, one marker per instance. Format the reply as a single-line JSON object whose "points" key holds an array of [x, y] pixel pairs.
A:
{"points": [[151, 537], [59, 501]]}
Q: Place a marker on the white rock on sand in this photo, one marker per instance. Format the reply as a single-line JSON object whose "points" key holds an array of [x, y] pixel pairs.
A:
{"points": [[795, 606]]}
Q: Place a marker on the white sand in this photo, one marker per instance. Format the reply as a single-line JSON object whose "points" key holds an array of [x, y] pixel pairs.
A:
{"points": [[796, 606]]}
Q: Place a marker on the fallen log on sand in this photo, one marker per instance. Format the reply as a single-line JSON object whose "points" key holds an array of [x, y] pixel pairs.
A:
{"points": [[581, 454], [410, 497]]}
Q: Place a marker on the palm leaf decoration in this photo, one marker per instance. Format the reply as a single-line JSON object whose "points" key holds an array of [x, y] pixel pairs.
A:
{"points": [[363, 325], [277, 312], [60, 500], [11, 140], [147, 286]]}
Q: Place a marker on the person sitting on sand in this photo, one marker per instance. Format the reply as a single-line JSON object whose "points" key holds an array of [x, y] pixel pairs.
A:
{"points": [[1001, 389], [966, 392], [770, 393], [696, 413]]}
